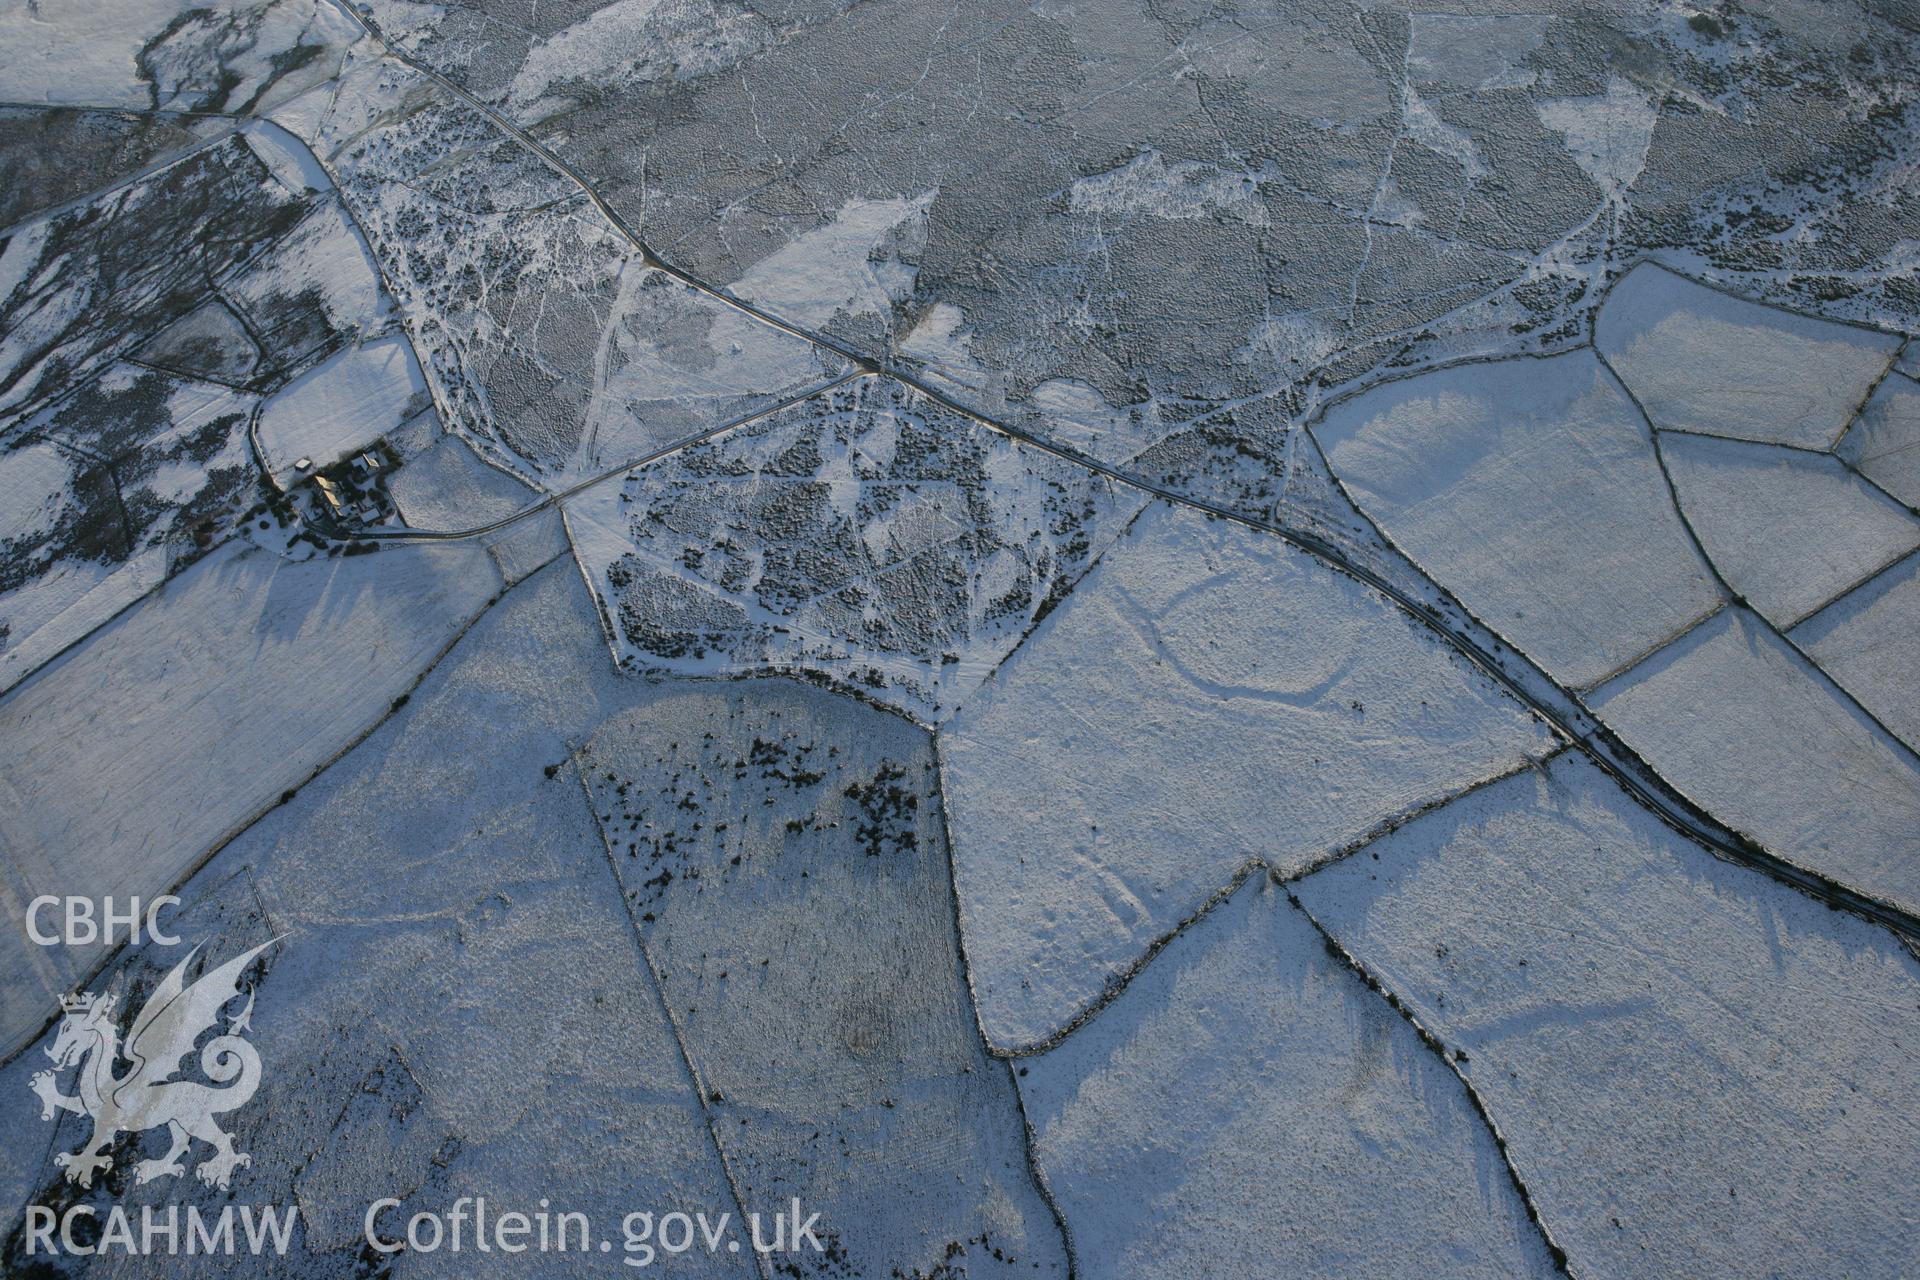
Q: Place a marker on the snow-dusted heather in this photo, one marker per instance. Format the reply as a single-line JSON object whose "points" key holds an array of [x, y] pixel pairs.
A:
{"points": [[865, 534], [339, 407], [316, 287], [457, 1007], [782, 853], [1242, 461], [59, 549], [1144, 204], [848, 271], [123, 483], [1430, 130], [1148, 186], [941, 346], [1884, 441], [1530, 489], [1742, 725], [55, 155], [91, 281], [1485, 52], [130, 411], [1697, 1070], [197, 465], [1607, 134], [210, 342], [1208, 696], [546, 341], [447, 487], [175, 726], [537, 62], [230, 55], [1788, 530], [1166, 239], [140, 325], [1702, 360], [1069, 412], [626, 44], [1302, 1121], [1869, 642]]}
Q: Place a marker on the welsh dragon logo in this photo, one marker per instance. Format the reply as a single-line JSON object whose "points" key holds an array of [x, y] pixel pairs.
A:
{"points": [[146, 1094]]}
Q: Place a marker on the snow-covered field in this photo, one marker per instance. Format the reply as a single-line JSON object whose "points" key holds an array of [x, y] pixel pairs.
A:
{"points": [[170, 729], [352, 401], [1532, 489], [1256, 1071], [1612, 993], [1738, 721], [1083, 639], [1208, 698]]}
